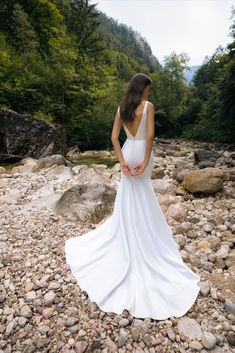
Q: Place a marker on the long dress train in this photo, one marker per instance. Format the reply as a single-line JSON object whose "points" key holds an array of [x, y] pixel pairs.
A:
{"points": [[131, 261]]}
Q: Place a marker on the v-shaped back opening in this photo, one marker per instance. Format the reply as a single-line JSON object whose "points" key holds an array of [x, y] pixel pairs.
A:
{"points": [[134, 136]]}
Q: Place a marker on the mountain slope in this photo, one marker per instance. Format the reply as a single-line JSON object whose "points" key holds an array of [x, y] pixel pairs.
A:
{"points": [[127, 47]]}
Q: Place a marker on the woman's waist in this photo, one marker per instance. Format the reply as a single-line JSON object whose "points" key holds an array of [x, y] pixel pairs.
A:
{"points": [[135, 140]]}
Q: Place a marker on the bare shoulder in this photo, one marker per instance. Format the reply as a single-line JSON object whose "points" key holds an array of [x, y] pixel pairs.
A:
{"points": [[150, 104], [150, 108]]}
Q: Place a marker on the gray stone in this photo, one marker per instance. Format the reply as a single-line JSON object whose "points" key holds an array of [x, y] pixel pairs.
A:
{"points": [[49, 297], [204, 288], [2, 294], [189, 328], [24, 135], [87, 203], [26, 312], [230, 306], [71, 321], [208, 340], [74, 329], [123, 322], [80, 346]]}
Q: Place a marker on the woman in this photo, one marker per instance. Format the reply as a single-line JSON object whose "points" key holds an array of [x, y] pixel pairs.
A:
{"points": [[131, 261]]}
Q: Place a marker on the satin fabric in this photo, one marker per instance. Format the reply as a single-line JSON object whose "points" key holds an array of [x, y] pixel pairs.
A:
{"points": [[131, 261]]}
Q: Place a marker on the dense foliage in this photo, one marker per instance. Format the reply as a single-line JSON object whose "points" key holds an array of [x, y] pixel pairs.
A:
{"points": [[68, 63]]}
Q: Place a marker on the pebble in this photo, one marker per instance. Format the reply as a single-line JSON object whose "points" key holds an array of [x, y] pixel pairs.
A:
{"points": [[189, 327], [230, 306], [208, 340], [123, 322], [49, 297], [26, 312]]}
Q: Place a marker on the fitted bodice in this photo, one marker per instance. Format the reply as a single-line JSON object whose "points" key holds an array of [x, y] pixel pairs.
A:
{"points": [[142, 129]]}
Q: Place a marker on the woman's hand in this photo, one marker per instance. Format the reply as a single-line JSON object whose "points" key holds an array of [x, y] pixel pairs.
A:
{"points": [[139, 168], [125, 168]]}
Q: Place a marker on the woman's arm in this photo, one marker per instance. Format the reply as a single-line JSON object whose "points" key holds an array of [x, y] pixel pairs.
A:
{"points": [[117, 125], [150, 132], [116, 145]]}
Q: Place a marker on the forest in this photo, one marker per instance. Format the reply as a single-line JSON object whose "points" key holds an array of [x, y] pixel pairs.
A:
{"points": [[69, 64]]}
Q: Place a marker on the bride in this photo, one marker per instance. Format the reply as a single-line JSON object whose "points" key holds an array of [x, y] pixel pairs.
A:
{"points": [[131, 261]]}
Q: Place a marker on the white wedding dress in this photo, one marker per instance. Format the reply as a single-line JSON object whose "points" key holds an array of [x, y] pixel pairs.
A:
{"points": [[131, 261]]}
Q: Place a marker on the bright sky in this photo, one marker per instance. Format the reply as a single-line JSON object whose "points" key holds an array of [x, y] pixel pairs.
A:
{"points": [[196, 27]]}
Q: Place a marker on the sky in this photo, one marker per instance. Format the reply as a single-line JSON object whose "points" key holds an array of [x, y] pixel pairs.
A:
{"points": [[195, 27]]}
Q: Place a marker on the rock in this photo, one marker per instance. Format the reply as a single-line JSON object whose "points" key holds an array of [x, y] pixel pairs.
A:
{"points": [[2, 294], [43, 329], [231, 338], [49, 297], [170, 334], [22, 321], [204, 155], [24, 135], [135, 334], [230, 306], [123, 335], [141, 326], [26, 312], [207, 265], [189, 327], [41, 343], [48, 313], [30, 296], [9, 328], [208, 340], [80, 347], [2, 170], [147, 339], [194, 259], [204, 288], [223, 251], [203, 245], [180, 190], [162, 186], [195, 346], [111, 345], [74, 329], [158, 173], [139, 350], [177, 212], [54, 286], [71, 321], [123, 322], [87, 203], [230, 260], [207, 180], [71, 151], [54, 160], [208, 227], [213, 240], [28, 287], [206, 164]]}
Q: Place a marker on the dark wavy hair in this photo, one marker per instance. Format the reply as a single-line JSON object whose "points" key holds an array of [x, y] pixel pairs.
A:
{"points": [[133, 96]]}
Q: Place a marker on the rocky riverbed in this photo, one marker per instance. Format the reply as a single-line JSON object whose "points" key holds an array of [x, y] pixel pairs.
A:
{"points": [[42, 308]]}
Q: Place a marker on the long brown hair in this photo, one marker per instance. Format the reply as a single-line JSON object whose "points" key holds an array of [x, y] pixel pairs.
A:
{"points": [[133, 96]]}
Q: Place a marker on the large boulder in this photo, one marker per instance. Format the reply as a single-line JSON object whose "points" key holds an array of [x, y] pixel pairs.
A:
{"points": [[22, 135], [207, 180], [203, 155], [53, 160], [87, 203]]}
